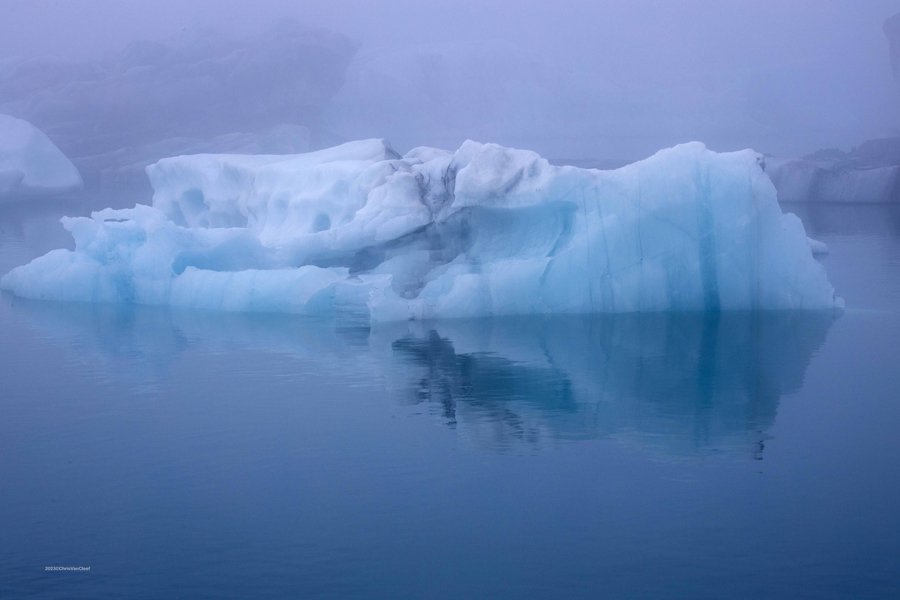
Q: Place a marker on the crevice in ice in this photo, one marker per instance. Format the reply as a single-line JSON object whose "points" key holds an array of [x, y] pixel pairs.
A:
{"points": [[590, 257], [449, 183], [706, 242]]}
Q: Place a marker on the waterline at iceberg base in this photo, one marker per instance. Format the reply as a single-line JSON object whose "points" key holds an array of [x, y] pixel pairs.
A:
{"points": [[482, 231]]}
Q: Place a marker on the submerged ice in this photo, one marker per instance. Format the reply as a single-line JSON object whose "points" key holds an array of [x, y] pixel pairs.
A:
{"points": [[485, 230]]}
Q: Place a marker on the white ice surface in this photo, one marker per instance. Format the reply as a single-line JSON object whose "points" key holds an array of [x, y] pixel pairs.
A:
{"points": [[484, 230]]}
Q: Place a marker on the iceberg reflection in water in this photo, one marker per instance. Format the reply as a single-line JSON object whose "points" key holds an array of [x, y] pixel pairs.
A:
{"points": [[681, 383], [678, 384]]}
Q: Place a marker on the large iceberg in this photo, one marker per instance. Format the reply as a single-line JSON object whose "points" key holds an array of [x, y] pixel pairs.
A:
{"points": [[30, 163], [485, 230]]}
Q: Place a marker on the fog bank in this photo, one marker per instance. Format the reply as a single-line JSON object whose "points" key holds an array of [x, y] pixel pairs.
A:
{"points": [[568, 79]]}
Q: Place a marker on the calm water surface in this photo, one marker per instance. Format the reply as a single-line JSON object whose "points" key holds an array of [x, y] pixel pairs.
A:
{"points": [[189, 454]]}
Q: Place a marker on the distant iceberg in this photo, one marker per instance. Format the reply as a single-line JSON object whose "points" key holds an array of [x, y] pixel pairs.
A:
{"points": [[485, 230], [30, 163], [870, 173], [202, 90]]}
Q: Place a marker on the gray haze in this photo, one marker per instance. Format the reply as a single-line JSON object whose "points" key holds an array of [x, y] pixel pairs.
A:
{"points": [[569, 79]]}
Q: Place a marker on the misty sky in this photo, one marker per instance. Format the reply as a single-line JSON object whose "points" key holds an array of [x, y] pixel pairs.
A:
{"points": [[784, 77]]}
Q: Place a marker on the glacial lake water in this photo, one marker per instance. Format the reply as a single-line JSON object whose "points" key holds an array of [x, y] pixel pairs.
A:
{"points": [[188, 454]]}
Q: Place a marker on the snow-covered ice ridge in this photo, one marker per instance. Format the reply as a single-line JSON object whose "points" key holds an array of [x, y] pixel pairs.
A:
{"points": [[30, 163], [484, 230]]}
